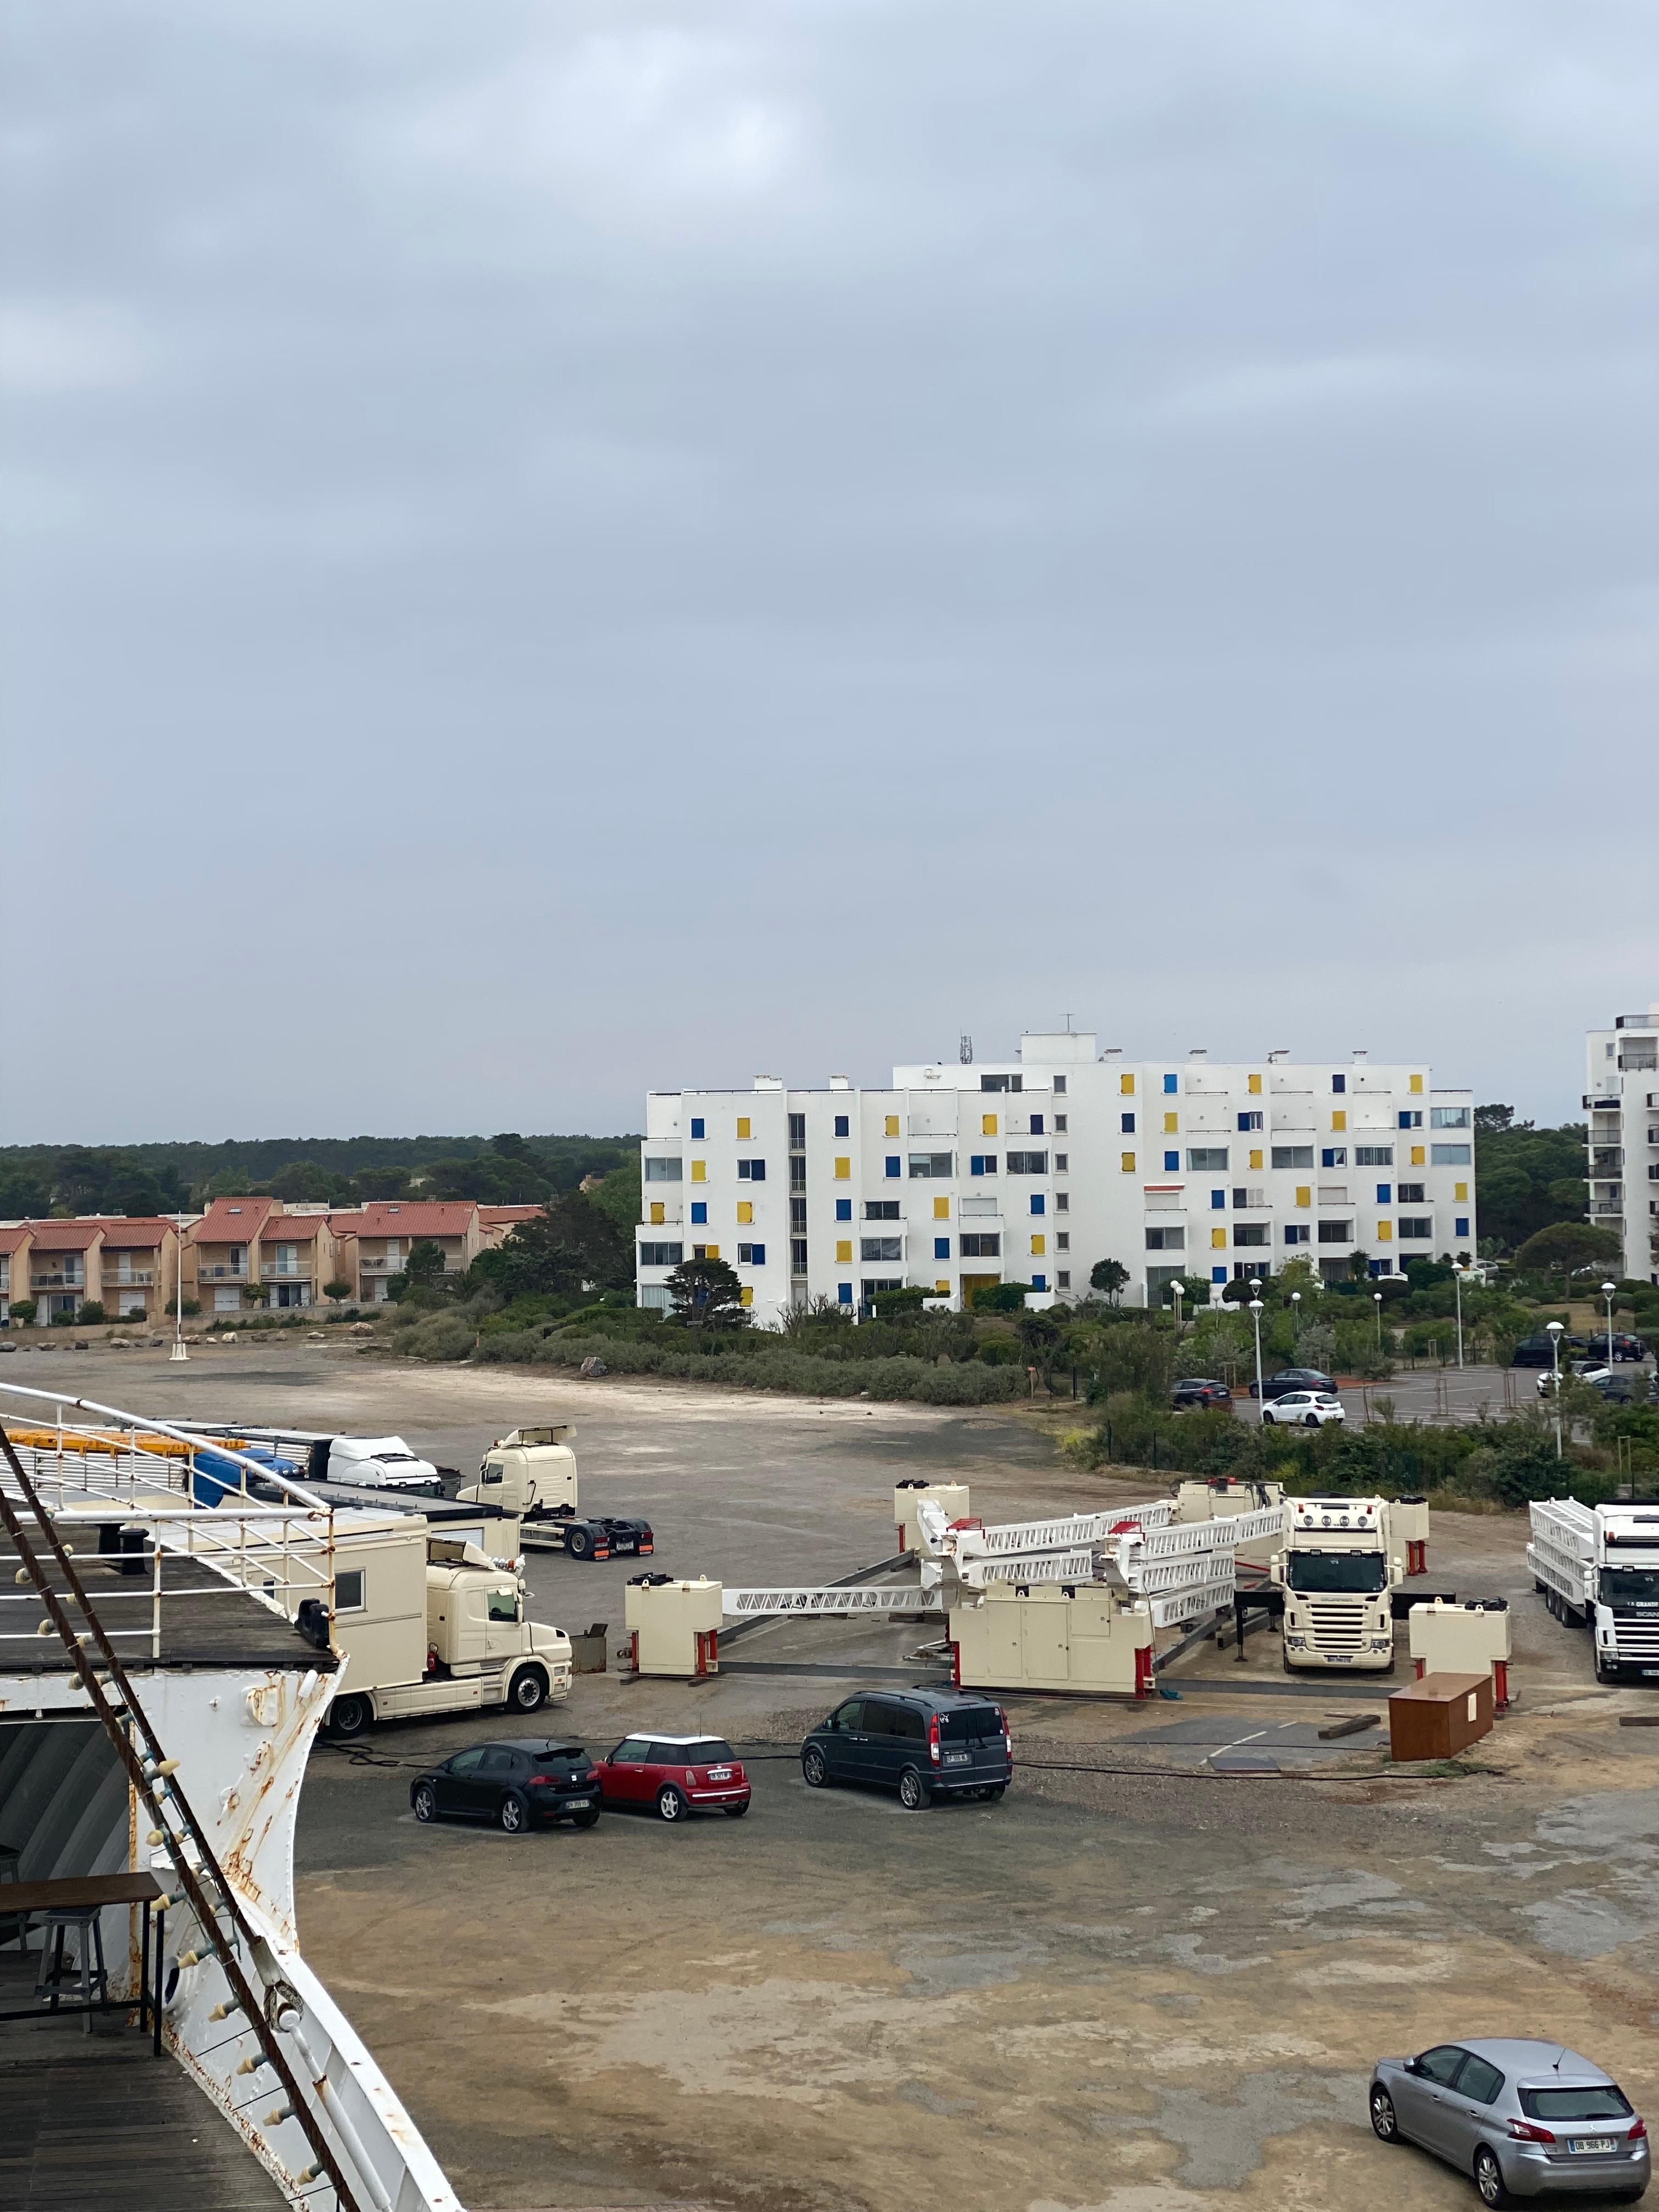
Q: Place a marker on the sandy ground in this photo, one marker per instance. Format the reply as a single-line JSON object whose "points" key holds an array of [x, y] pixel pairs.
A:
{"points": [[1145, 1988]]}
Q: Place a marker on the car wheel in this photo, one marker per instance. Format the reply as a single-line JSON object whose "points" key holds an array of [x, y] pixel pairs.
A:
{"points": [[1268, 1419], [813, 1772], [736, 1812], [913, 1794], [425, 1801], [349, 1716], [993, 1795], [514, 1814], [528, 1690], [1385, 2121], [670, 1806], [1489, 2178], [584, 1819], [1312, 1421], [579, 1543]]}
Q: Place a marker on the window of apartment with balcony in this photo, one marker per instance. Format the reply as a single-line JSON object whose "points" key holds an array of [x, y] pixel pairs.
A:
{"points": [[1028, 1163], [1296, 1232], [1449, 1155], [1411, 1194], [797, 1133], [798, 1213], [1002, 1083], [1171, 1239], [1247, 1121], [880, 1209], [1373, 1156], [1293, 1156], [798, 1255], [926, 1167], [1336, 1233], [1410, 1117], [981, 1163], [1418, 1228], [980, 1245], [1200, 1158], [751, 1255], [752, 1171], [881, 1248], [661, 1255], [1333, 1156], [1036, 1128], [1248, 1198], [1250, 1233], [661, 1170], [1448, 1117]]}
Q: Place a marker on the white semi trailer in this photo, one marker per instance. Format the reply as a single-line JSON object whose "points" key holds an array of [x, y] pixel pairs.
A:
{"points": [[1338, 1579], [1598, 1567]]}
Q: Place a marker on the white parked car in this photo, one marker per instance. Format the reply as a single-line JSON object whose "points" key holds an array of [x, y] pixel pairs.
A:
{"points": [[1306, 1409], [1581, 1371]]}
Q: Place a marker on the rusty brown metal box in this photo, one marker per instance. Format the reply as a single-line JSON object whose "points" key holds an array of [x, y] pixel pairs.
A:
{"points": [[1439, 1715]]}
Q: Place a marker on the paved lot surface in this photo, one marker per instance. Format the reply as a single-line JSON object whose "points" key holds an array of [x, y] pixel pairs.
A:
{"points": [[1138, 1984]]}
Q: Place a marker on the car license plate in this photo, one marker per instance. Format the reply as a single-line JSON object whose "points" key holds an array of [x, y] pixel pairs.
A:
{"points": [[578, 1804], [1601, 2143], [957, 1758], [719, 1774]]}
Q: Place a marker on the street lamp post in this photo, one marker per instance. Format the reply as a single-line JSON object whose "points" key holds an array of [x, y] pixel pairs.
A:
{"points": [[1296, 1317], [1260, 1395], [1608, 1291], [1458, 1292], [1174, 1295], [1376, 1300], [1555, 1367]]}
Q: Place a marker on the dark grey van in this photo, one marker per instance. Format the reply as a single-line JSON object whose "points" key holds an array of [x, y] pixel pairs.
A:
{"points": [[923, 1743]]}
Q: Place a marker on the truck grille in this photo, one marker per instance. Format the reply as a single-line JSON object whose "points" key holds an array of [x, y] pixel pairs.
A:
{"points": [[1638, 1636], [1337, 1627]]}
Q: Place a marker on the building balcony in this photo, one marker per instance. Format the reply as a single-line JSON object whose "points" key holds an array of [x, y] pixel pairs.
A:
{"points": [[273, 1270], [60, 1279], [1602, 1207], [226, 1274], [1607, 1163], [381, 1267], [133, 1278]]}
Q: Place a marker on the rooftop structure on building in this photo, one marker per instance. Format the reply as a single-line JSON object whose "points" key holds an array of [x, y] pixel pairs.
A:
{"points": [[1033, 1169]]}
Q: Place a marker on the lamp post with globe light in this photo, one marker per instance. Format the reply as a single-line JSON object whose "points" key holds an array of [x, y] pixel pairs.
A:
{"points": [[1608, 1291], [1458, 1292], [1256, 1310], [1555, 1366]]}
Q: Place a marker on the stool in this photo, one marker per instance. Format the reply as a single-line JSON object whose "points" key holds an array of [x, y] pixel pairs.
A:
{"points": [[85, 1920]]}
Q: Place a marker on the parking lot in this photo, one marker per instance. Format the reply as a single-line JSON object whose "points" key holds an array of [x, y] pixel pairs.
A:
{"points": [[1140, 1983]]}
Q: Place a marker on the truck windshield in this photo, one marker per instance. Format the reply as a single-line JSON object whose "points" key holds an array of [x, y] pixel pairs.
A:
{"points": [[1360, 1572], [1628, 1586]]}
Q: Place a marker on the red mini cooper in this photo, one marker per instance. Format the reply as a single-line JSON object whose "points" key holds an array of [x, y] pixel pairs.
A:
{"points": [[675, 1775]]}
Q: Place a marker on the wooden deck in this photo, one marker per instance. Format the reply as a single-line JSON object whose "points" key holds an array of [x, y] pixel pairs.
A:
{"points": [[95, 2124]]}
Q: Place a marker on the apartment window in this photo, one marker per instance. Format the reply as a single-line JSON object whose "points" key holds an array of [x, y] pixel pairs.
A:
{"points": [[661, 1255], [1385, 1193], [1039, 1282], [1449, 1155], [745, 1211], [1411, 1117], [1171, 1163], [798, 1213], [1339, 1083], [1002, 1083], [987, 1124], [752, 1255], [752, 1171], [1063, 1241], [881, 1248], [798, 1171], [1333, 1156], [699, 1170], [1373, 1156], [1125, 1084], [705, 1251], [1028, 1163], [698, 1129], [1062, 1163], [1250, 1120], [844, 1294], [893, 1164], [1166, 1240], [1293, 1156], [1202, 1157], [1449, 1117], [1170, 1084], [798, 1255], [1039, 1203], [1332, 1194], [1219, 1274], [348, 1591], [1296, 1232], [1249, 1232], [941, 1248], [1060, 1086], [927, 1166], [879, 1209], [1412, 1193], [664, 1170], [892, 1128], [797, 1133], [979, 1247], [699, 1213], [1064, 1278], [1062, 1201], [843, 1126], [981, 1163], [843, 1209], [743, 1127], [1419, 1228], [1217, 1200], [1336, 1233], [1461, 1226], [1126, 1122], [844, 1252], [1061, 1124], [1039, 1246]]}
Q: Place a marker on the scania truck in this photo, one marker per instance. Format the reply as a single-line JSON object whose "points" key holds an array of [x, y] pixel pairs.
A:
{"points": [[531, 1473], [1598, 1568], [1338, 1581]]}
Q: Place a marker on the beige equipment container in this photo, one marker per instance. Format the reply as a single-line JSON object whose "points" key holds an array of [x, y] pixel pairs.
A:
{"points": [[673, 1627], [1092, 1641], [951, 1497], [1408, 1535], [1463, 1639], [1225, 1500]]}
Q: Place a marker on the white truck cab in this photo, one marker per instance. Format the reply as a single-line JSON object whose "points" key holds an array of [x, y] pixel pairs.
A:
{"points": [[526, 1472], [378, 1463], [1339, 1579]]}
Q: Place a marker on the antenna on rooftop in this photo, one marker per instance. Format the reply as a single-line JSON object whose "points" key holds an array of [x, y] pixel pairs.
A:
{"points": [[965, 1050]]}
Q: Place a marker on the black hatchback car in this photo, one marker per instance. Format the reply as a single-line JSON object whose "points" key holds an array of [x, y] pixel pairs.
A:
{"points": [[526, 1782], [1199, 1390], [1538, 1352], [923, 1743], [1292, 1378]]}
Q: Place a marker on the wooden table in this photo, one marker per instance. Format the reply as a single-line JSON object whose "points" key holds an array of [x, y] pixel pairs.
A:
{"points": [[79, 1893]]}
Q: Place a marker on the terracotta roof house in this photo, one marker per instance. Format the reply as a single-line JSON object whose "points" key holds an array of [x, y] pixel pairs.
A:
{"points": [[15, 1247], [497, 1222], [374, 1241], [127, 1265], [138, 1268]]}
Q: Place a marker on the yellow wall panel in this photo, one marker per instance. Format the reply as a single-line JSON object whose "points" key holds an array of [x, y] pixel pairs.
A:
{"points": [[658, 1216], [1128, 1162], [1171, 1123], [843, 1170], [743, 1128], [1385, 1232], [941, 1209], [1304, 1193], [745, 1210], [1218, 1240], [892, 1125], [747, 1296], [843, 1251], [1417, 1084], [1339, 1118], [1461, 1193], [699, 1170], [1255, 1086], [1039, 1246], [1417, 1156], [987, 1124], [942, 1287], [1125, 1084], [1256, 1157]]}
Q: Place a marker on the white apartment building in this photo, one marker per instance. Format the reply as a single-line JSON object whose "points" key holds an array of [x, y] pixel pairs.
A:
{"points": [[1621, 1097], [1032, 1169]]}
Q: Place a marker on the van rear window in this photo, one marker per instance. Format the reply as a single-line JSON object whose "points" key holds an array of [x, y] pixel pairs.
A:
{"points": [[971, 1724], [1605, 2103]]}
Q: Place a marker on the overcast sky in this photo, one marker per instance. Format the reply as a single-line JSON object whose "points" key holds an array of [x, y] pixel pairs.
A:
{"points": [[558, 549]]}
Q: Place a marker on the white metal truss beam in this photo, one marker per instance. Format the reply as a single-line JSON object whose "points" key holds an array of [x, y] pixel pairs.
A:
{"points": [[826, 1603]]}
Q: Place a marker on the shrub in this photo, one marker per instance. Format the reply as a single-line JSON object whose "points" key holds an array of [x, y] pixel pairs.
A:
{"points": [[760, 1364], [23, 1309], [337, 1291], [91, 1313], [437, 1336], [999, 1298], [997, 1352]]}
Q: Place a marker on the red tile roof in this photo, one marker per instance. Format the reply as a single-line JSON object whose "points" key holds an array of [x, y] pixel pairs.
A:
{"points": [[232, 1221], [492, 1217], [291, 1229], [412, 1216], [136, 1234], [13, 1240], [65, 1235]]}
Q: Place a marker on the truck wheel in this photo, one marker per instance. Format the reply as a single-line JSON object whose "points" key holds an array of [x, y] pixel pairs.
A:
{"points": [[670, 1806], [514, 1815], [813, 1772], [528, 1690], [579, 1543], [913, 1792], [348, 1717]]}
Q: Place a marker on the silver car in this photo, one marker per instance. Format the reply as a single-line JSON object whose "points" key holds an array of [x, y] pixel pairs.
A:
{"points": [[1520, 2118]]}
